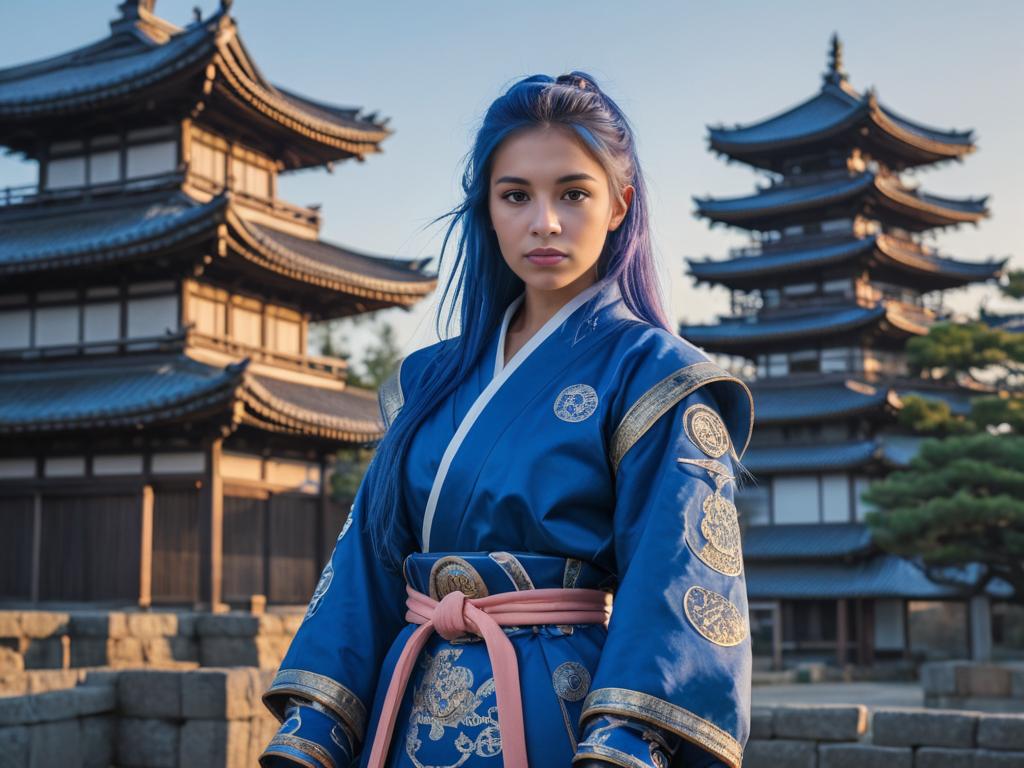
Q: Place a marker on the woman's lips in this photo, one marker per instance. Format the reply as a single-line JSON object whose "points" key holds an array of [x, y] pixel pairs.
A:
{"points": [[545, 261]]}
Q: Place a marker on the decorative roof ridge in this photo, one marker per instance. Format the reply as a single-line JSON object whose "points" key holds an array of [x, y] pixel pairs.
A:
{"points": [[257, 396]]}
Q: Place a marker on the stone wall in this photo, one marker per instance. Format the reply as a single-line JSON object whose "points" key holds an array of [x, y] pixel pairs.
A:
{"points": [[141, 719], [987, 686], [35, 640], [841, 736]]}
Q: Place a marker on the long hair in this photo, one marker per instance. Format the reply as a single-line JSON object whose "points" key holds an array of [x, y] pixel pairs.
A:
{"points": [[485, 283]]}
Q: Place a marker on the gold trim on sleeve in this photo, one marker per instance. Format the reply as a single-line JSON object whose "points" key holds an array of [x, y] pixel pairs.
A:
{"points": [[307, 747], [682, 722], [608, 754], [328, 692], [390, 396], [659, 399], [714, 616]]}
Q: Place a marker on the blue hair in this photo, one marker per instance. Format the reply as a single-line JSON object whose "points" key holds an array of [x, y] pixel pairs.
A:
{"points": [[485, 283]]}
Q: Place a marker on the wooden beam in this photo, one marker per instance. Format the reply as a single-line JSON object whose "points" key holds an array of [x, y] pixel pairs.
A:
{"points": [[842, 631], [146, 547], [211, 531]]}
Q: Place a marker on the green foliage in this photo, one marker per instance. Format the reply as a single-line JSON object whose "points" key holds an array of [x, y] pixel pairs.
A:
{"points": [[961, 501], [377, 362], [1014, 287], [950, 348]]}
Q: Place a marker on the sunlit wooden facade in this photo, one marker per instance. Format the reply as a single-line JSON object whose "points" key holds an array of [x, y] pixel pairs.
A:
{"points": [[166, 434]]}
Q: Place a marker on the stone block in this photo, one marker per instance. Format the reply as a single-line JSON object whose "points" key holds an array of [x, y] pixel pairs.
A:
{"points": [[271, 624], [905, 727], [158, 650], [820, 722], [13, 684], [38, 708], [219, 651], [94, 699], [88, 651], [983, 680], [215, 742], [1001, 731], [92, 624], [14, 746], [780, 753], [864, 756], [10, 624], [44, 680], [42, 624], [11, 660], [152, 624], [125, 651], [938, 678], [53, 744], [292, 622], [44, 653], [98, 735], [224, 694], [149, 693], [760, 722], [943, 757], [148, 743], [261, 731], [228, 625], [987, 758]]}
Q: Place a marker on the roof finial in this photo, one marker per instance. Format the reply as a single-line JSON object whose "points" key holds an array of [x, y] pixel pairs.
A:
{"points": [[835, 71]]}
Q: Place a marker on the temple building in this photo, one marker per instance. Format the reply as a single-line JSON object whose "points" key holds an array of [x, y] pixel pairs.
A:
{"points": [[166, 435], [835, 280]]}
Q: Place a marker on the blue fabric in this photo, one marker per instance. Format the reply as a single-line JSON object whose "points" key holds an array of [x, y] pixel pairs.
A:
{"points": [[531, 499]]}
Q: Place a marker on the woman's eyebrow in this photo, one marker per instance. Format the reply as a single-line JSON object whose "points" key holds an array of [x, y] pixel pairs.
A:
{"points": [[563, 180]]}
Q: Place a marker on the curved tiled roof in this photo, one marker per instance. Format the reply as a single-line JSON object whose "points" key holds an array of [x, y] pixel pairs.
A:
{"points": [[833, 400], [763, 209], [184, 65], [805, 541], [909, 257], [130, 393], [735, 334], [815, 457]]}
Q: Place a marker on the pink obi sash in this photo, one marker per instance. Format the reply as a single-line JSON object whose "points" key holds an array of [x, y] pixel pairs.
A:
{"points": [[455, 615]]}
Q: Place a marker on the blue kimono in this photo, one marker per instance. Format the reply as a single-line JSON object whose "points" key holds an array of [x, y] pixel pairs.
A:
{"points": [[603, 455]]}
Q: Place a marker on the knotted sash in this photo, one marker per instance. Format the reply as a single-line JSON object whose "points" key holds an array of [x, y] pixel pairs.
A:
{"points": [[456, 615]]}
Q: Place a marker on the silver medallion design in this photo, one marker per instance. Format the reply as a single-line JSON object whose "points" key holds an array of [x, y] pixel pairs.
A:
{"points": [[576, 402], [571, 681], [321, 589]]}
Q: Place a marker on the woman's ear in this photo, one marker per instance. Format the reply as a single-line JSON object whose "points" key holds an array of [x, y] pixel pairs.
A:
{"points": [[620, 209]]}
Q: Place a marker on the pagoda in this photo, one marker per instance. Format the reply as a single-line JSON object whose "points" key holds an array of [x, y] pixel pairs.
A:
{"points": [[167, 437], [835, 280]]}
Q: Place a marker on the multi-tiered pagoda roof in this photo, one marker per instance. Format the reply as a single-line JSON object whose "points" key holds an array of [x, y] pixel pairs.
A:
{"points": [[824, 300]]}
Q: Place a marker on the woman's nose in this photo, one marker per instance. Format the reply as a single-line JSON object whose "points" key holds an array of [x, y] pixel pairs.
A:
{"points": [[545, 221]]}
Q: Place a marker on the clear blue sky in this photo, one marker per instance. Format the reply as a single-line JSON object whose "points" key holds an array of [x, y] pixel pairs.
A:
{"points": [[674, 66]]}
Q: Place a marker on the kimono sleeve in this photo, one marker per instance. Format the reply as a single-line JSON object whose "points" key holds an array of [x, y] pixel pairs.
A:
{"points": [[673, 683], [327, 681]]}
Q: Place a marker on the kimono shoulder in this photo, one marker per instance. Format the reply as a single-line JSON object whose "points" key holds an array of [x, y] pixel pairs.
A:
{"points": [[657, 370], [402, 382]]}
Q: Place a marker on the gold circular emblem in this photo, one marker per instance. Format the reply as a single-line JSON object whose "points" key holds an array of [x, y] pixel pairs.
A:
{"points": [[454, 574], [720, 526], [706, 430], [714, 616], [571, 681]]}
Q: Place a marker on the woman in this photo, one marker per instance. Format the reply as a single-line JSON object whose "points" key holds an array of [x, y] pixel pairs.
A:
{"points": [[565, 446]]}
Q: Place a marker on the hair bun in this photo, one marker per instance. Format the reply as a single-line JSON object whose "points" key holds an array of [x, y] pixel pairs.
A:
{"points": [[576, 80]]}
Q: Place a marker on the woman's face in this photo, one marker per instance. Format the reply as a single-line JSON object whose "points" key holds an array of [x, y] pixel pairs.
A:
{"points": [[546, 191]]}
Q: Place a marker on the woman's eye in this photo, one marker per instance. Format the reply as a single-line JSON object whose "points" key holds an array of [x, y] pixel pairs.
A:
{"points": [[508, 195], [579, 192]]}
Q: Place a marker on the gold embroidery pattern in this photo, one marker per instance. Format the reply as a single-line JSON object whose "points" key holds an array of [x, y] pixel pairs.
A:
{"points": [[659, 399], [572, 572], [720, 524], [317, 688], [307, 747], [706, 430], [575, 403], [714, 616], [454, 574], [513, 569], [682, 722], [571, 681], [445, 699]]}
